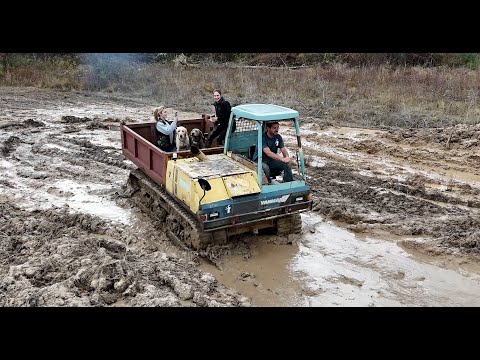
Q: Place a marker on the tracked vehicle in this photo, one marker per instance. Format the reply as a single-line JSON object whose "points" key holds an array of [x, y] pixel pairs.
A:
{"points": [[205, 196]]}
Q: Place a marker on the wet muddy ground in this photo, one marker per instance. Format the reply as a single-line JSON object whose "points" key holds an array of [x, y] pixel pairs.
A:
{"points": [[395, 220]]}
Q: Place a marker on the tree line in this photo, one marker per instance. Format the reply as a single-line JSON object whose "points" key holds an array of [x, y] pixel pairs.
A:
{"points": [[469, 60]]}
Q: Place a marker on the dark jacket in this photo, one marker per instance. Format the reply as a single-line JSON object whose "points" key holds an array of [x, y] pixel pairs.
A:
{"points": [[222, 110]]}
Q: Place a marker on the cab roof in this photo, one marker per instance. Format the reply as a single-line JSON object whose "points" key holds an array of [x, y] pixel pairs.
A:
{"points": [[264, 112]]}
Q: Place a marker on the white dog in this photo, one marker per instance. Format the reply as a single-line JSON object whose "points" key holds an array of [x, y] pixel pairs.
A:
{"points": [[182, 141]]}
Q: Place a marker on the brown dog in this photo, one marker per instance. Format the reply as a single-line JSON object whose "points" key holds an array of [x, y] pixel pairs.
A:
{"points": [[197, 138], [182, 141]]}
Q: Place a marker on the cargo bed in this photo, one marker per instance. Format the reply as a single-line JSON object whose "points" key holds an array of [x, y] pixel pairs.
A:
{"points": [[138, 145]]}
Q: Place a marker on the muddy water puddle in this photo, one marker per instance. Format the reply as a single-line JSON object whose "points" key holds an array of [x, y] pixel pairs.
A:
{"points": [[333, 267], [451, 175], [264, 277]]}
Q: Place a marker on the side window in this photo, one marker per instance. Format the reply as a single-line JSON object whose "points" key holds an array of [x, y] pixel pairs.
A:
{"points": [[244, 136], [244, 125]]}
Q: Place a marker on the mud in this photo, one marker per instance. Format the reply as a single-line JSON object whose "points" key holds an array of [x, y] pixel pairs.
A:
{"points": [[380, 185], [395, 220], [67, 238]]}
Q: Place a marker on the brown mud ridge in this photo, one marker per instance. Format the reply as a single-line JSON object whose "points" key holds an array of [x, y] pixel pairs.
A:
{"points": [[71, 236], [52, 258]]}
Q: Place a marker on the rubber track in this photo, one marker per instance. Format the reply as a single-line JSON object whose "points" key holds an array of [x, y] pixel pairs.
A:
{"points": [[291, 224], [174, 207]]}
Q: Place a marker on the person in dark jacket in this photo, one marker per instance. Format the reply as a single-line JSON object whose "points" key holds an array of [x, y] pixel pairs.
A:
{"points": [[220, 119]]}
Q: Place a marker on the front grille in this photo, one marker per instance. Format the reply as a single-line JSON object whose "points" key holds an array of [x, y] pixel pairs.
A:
{"points": [[245, 206], [257, 215]]}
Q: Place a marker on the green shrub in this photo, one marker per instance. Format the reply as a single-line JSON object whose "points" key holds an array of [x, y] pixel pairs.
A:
{"points": [[469, 60]]}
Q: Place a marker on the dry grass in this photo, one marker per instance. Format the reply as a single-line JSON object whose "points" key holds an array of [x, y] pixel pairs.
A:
{"points": [[354, 96]]}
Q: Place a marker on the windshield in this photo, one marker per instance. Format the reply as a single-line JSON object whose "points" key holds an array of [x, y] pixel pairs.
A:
{"points": [[285, 139]]}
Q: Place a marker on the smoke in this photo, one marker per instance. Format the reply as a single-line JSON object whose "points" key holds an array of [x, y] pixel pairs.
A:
{"points": [[95, 59], [113, 71]]}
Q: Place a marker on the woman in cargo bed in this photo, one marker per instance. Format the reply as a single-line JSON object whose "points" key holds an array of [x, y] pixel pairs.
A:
{"points": [[165, 131], [220, 119]]}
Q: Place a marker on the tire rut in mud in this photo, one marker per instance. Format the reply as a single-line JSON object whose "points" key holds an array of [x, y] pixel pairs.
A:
{"points": [[82, 151], [367, 203]]}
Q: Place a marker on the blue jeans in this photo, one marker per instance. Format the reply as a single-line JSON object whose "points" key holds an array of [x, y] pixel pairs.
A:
{"points": [[277, 166]]}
